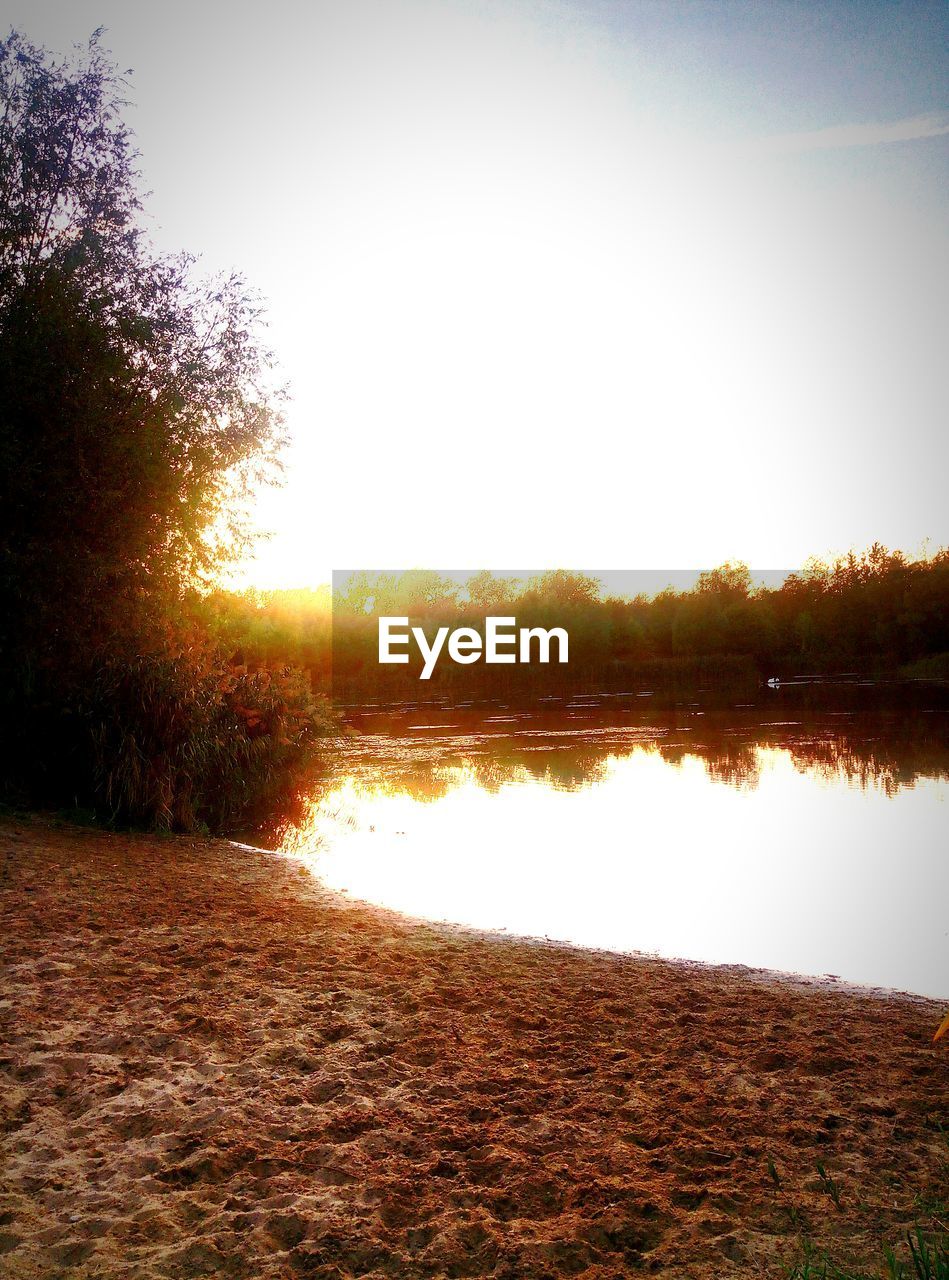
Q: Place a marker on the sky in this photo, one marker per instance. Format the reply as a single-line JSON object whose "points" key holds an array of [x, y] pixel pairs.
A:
{"points": [[566, 282]]}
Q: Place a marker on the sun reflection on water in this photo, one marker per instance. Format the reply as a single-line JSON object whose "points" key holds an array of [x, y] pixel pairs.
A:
{"points": [[797, 871]]}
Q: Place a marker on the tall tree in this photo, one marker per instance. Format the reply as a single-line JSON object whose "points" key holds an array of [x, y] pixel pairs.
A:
{"points": [[136, 403], [136, 411]]}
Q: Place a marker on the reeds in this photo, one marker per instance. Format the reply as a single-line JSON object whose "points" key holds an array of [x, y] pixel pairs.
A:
{"points": [[180, 744]]}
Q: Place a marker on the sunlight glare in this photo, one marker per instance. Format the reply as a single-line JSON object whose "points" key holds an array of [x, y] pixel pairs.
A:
{"points": [[655, 857]]}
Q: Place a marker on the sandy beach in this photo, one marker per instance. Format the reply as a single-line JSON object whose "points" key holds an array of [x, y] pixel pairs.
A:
{"points": [[214, 1066]]}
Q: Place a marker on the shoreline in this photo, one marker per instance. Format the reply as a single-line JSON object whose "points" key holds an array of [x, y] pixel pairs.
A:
{"points": [[216, 1065], [456, 928]]}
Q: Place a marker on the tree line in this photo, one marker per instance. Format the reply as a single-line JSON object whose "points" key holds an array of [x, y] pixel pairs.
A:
{"points": [[878, 612]]}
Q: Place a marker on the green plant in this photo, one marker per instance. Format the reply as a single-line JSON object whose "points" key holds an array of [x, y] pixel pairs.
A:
{"points": [[926, 1257], [830, 1186], [928, 1260], [930, 1257]]}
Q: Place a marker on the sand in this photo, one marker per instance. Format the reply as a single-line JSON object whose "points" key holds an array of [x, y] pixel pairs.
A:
{"points": [[214, 1066]]}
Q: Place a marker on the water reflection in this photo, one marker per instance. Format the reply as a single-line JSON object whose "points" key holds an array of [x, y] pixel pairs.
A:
{"points": [[812, 843]]}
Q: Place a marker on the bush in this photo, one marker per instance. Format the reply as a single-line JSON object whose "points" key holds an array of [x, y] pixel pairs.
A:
{"points": [[181, 742], [178, 740]]}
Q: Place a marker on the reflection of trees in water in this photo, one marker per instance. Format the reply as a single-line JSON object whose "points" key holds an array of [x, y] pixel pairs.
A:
{"points": [[888, 753], [880, 763], [731, 762], [431, 771], [890, 756], [564, 770], [890, 766]]}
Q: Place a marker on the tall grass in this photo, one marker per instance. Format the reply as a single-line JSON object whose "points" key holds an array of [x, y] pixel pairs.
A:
{"points": [[179, 744], [176, 739]]}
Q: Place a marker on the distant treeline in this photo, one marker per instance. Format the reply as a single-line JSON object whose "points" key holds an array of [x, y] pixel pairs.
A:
{"points": [[877, 613]]}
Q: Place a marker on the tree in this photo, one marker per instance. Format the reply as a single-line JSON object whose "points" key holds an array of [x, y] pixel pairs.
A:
{"points": [[561, 587], [136, 412], [728, 580], [135, 402], [489, 593]]}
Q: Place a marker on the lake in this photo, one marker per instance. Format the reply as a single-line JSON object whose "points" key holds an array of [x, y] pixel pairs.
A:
{"points": [[803, 830]]}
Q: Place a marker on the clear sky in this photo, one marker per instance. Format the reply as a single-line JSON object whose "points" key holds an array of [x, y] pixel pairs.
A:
{"points": [[642, 284]]}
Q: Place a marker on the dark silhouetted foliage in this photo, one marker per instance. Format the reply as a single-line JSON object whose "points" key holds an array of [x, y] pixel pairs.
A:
{"points": [[136, 410]]}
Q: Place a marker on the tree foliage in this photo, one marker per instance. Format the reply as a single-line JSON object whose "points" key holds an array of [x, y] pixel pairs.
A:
{"points": [[879, 612], [134, 399], [137, 411]]}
